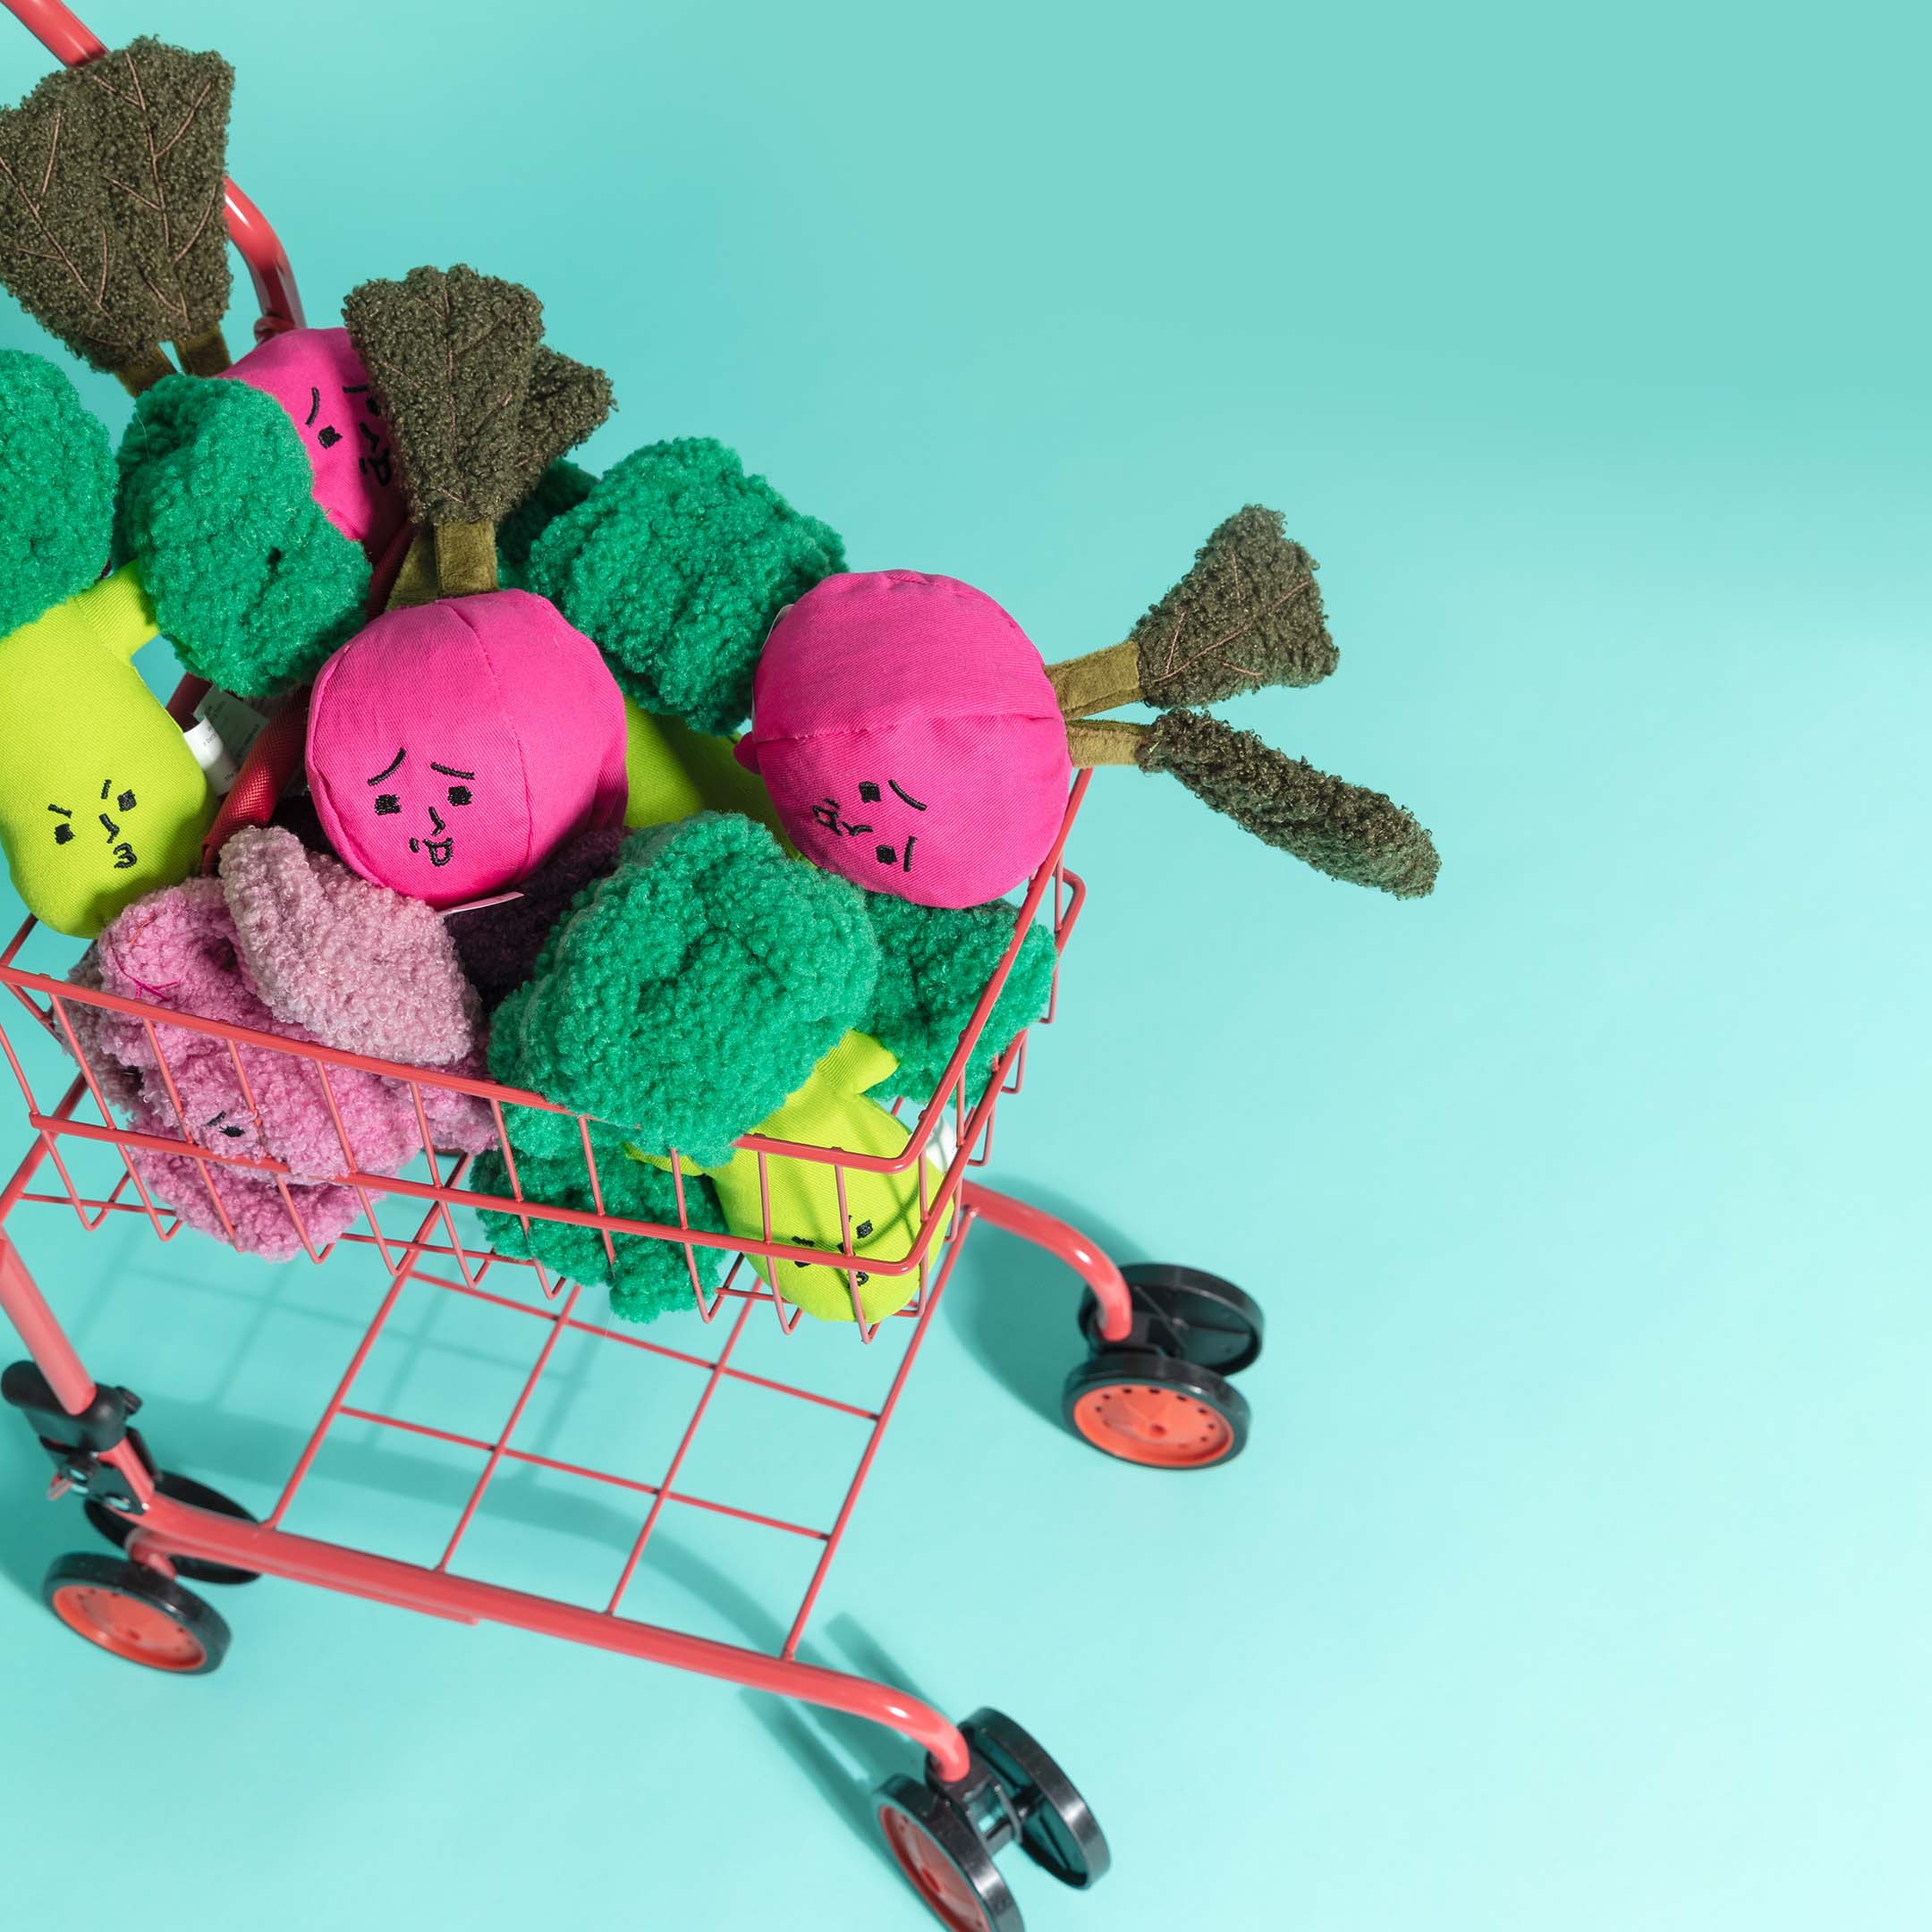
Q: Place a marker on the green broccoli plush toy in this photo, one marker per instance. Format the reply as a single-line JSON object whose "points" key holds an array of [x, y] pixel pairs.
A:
{"points": [[101, 800]]}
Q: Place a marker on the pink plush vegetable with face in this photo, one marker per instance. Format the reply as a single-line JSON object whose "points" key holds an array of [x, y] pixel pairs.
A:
{"points": [[914, 742], [453, 745], [910, 737], [319, 381]]}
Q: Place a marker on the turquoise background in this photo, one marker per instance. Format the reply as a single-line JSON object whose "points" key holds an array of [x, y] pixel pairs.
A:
{"points": [[1576, 1575]]}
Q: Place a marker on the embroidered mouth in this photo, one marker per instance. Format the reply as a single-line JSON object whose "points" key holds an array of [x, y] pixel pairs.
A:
{"points": [[123, 857], [438, 849]]}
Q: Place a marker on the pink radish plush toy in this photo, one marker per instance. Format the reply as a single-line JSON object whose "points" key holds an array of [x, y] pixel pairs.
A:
{"points": [[452, 746], [910, 737], [913, 741], [318, 380]]}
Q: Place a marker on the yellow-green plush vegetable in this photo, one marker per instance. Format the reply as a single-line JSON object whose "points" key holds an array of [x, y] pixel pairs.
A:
{"points": [[101, 800], [675, 772], [831, 1110]]}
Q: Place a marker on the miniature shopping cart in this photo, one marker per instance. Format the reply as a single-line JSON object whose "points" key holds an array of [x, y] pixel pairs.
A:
{"points": [[1151, 1388]]}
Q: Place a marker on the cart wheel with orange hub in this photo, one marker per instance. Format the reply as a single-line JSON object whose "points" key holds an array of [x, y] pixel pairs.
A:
{"points": [[945, 1836], [1160, 1396], [136, 1614]]}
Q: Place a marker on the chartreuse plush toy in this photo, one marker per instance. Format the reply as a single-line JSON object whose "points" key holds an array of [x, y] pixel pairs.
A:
{"points": [[881, 1211], [101, 800]]}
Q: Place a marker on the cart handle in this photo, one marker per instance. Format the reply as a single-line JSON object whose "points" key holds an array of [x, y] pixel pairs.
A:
{"points": [[73, 43]]}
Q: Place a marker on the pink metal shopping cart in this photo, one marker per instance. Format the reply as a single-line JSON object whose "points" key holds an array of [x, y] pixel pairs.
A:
{"points": [[1151, 1388]]}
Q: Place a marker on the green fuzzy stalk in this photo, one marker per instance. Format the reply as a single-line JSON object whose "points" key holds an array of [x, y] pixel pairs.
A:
{"points": [[560, 488], [676, 565], [650, 1277], [934, 964], [1344, 830], [56, 490], [688, 993], [1247, 614], [247, 575]]}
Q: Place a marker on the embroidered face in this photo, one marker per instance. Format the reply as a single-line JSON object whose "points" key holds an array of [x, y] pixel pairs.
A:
{"points": [[116, 813], [319, 381], [428, 799], [454, 746], [101, 800], [908, 737]]}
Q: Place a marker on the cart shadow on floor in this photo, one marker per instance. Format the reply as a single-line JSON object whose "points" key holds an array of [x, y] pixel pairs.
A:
{"points": [[1018, 1316], [845, 1757]]}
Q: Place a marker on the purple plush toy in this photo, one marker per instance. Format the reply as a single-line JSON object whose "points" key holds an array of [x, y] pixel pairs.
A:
{"points": [[284, 942]]}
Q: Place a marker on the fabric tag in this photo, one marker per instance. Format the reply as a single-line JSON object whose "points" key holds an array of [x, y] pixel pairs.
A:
{"points": [[237, 722], [212, 756]]}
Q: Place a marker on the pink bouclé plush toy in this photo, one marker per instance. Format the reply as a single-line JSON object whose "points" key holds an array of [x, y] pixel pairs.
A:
{"points": [[910, 737], [452, 746], [318, 380], [284, 942]]}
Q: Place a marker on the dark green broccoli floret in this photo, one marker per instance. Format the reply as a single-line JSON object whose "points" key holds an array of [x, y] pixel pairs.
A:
{"points": [[934, 964], [676, 564], [689, 992], [650, 1276], [56, 490], [246, 574]]}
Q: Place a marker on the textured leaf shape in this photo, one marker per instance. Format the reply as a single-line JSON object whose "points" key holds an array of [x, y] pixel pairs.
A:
{"points": [[60, 253], [1344, 830], [56, 490], [1247, 614], [675, 565], [248, 576], [163, 131], [567, 400], [450, 355]]}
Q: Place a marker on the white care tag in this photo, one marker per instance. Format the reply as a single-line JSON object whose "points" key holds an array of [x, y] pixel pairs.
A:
{"points": [[212, 756], [237, 722]]}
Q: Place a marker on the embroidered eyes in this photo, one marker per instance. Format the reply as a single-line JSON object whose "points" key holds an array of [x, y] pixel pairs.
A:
{"points": [[389, 804], [125, 801]]}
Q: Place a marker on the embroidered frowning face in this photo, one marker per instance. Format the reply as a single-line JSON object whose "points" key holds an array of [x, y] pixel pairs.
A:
{"points": [[319, 381], [428, 799], [101, 800], [454, 746], [116, 812], [910, 737]]}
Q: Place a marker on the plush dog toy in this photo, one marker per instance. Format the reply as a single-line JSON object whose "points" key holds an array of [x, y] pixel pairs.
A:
{"points": [[879, 1213], [101, 800], [318, 380], [287, 943], [914, 742], [111, 230]]}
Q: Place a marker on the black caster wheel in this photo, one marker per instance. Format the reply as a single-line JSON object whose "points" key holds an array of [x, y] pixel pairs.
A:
{"points": [[1186, 1313], [117, 1529], [1145, 1407], [1057, 1828], [133, 1613], [945, 1859]]}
